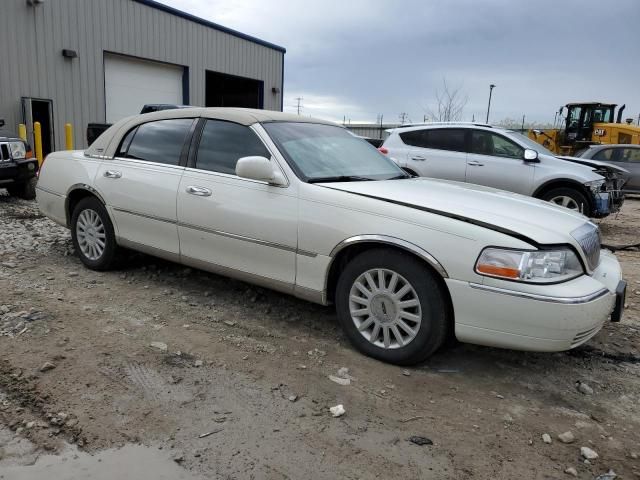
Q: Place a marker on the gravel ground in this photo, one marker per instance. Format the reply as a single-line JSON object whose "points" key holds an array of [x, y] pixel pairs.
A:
{"points": [[232, 381]]}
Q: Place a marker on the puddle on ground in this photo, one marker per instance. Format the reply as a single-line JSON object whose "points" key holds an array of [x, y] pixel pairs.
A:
{"points": [[129, 462]]}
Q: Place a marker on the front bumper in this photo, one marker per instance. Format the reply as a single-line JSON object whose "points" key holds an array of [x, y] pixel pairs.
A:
{"points": [[607, 202], [17, 171], [537, 318]]}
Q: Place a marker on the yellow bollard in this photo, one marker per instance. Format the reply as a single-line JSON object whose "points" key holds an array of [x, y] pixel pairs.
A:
{"points": [[37, 140], [22, 131], [68, 136]]}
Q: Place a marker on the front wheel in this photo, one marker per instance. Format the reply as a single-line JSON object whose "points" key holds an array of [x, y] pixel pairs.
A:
{"points": [[93, 235], [25, 190], [391, 307], [569, 198]]}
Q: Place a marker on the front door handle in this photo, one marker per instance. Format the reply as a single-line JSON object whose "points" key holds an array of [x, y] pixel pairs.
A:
{"points": [[199, 191], [418, 158], [112, 174], [475, 163]]}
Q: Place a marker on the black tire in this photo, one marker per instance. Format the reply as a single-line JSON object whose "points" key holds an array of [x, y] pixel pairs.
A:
{"points": [[109, 254], [434, 326], [25, 190], [576, 195]]}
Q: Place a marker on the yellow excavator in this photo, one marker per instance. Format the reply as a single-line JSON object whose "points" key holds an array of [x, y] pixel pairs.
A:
{"points": [[586, 124]]}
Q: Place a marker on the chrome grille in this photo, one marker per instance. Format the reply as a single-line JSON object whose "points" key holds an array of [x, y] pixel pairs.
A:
{"points": [[588, 236], [4, 152]]}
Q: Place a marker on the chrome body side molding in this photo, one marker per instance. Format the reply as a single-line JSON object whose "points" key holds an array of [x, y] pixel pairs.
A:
{"points": [[543, 298]]}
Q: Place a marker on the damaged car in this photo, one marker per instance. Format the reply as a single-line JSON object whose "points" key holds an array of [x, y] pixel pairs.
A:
{"points": [[505, 159], [302, 206]]}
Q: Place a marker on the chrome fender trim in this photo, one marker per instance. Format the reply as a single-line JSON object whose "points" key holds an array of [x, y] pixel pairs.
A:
{"points": [[388, 240]]}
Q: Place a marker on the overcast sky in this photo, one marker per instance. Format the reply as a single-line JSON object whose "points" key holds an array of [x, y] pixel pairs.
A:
{"points": [[362, 58]]}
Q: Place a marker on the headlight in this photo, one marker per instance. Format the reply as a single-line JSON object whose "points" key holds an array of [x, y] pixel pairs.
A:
{"points": [[595, 186], [18, 150], [539, 266]]}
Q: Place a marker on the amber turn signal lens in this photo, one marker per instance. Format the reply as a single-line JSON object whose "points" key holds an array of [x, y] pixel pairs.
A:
{"points": [[496, 271]]}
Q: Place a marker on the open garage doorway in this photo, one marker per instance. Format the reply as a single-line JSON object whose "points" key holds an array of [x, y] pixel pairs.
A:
{"points": [[222, 90]]}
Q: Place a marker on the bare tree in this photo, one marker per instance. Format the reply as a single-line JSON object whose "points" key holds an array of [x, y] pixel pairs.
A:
{"points": [[450, 104]]}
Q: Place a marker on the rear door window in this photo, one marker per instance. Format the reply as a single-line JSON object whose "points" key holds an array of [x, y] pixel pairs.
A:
{"points": [[446, 139], [631, 155], [159, 142]]}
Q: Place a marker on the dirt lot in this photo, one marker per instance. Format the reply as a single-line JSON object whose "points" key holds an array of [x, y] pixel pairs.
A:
{"points": [[250, 367]]}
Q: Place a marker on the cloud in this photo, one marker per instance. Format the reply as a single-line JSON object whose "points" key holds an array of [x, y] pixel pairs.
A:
{"points": [[360, 58]]}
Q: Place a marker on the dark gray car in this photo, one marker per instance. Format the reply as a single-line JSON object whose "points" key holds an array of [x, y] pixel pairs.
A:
{"points": [[621, 155]]}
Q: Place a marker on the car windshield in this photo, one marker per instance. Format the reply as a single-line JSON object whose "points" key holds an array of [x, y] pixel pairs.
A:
{"points": [[320, 153], [528, 143]]}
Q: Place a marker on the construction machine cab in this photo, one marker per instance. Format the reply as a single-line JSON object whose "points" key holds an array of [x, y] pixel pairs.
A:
{"points": [[580, 119]]}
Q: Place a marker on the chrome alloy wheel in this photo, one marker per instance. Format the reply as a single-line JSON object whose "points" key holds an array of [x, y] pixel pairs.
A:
{"points": [[385, 308], [91, 234], [566, 202]]}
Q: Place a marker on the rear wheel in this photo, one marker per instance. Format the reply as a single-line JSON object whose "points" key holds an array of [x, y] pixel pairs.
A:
{"points": [[26, 190], [569, 198], [391, 307], [92, 234]]}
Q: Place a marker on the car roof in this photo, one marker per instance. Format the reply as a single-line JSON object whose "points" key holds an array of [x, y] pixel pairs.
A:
{"points": [[421, 126], [244, 116], [614, 145]]}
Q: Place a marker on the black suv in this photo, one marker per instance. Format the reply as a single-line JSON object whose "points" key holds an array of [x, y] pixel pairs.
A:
{"points": [[18, 167]]}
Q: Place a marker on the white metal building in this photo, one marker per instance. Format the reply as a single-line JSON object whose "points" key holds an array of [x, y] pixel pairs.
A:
{"points": [[85, 61]]}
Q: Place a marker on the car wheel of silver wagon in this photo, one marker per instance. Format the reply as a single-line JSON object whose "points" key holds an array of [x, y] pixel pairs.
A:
{"points": [[92, 234], [392, 307], [568, 198]]}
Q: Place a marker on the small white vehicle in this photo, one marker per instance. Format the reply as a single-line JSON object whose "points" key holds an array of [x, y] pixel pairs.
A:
{"points": [[302, 206], [501, 158]]}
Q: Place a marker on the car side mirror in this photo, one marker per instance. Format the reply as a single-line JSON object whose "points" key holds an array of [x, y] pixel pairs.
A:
{"points": [[531, 156], [261, 169]]}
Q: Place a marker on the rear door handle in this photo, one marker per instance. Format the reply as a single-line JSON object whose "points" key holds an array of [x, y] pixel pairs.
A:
{"points": [[112, 174], [199, 191], [418, 158], [475, 163]]}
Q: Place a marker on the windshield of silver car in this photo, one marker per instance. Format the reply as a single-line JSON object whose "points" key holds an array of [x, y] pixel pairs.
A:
{"points": [[326, 153]]}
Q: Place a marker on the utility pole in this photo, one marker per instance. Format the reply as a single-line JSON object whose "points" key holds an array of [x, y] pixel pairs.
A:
{"points": [[299, 100], [523, 123], [491, 87], [380, 123], [473, 118]]}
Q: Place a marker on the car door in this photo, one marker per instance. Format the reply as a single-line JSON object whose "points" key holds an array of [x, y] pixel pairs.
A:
{"points": [[226, 221], [437, 153], [496, 161], [140, 184]]}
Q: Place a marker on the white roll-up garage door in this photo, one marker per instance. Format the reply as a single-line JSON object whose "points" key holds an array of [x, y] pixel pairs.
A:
{"points": [[130, 83]]}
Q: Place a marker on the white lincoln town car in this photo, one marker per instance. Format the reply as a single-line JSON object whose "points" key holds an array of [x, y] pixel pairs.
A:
{"points": [[303, 206]]}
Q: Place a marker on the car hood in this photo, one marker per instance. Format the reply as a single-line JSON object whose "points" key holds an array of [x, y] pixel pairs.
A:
{"points": [[507, 212], [597, 164]]}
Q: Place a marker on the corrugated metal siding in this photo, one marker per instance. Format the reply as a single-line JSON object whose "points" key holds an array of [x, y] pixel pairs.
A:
{"points": [[32, 64]]}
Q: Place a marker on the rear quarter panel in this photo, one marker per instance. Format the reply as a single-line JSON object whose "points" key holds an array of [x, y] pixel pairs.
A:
{"points": [[60, 174]]}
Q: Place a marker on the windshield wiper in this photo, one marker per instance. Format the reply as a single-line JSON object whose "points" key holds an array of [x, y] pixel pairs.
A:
{"points": [[339, 178], [399, 177]]}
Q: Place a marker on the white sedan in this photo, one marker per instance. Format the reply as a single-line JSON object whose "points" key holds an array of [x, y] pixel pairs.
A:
{"points": [[302, 206]]}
